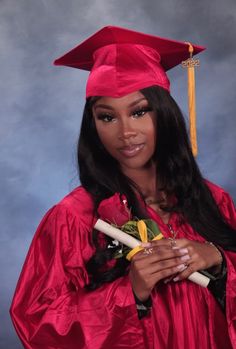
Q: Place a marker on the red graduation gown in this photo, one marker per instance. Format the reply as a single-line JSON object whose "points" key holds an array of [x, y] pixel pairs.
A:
{"points": [[51, 309]]}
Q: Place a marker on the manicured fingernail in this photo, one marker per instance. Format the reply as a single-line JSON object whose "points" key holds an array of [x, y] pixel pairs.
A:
{"points": [[146, 244], [183, 250], [181, 267], [185, 258]]}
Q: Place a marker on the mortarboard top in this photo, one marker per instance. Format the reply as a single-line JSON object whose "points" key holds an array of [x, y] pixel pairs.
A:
{"points": [[122, 61], [127, 53]]}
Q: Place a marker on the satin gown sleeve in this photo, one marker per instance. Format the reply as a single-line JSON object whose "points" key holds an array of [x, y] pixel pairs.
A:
{"points": [[51, 309], [227, 208], [229, 212]]}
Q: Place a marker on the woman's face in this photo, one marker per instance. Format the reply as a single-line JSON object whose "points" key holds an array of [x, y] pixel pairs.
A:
{"points": [[126, 128]]}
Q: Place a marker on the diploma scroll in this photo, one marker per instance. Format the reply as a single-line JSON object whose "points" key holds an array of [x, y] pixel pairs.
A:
{"points": [[131, 242]]}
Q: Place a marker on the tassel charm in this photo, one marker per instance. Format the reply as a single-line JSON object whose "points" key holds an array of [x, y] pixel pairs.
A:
{"points": [[190, 64]]}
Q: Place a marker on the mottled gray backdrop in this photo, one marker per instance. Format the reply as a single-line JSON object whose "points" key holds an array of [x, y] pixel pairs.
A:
{"points": [[41, 104]]}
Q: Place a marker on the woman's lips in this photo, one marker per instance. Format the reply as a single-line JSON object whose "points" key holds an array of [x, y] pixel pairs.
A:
{"points": [[131, 150]]}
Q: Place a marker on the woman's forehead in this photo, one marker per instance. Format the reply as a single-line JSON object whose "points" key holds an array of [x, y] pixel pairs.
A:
{"points": [[128, 100]]}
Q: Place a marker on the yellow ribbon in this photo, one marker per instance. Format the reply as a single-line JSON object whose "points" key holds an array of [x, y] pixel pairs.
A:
{"points": [[142, 229]]}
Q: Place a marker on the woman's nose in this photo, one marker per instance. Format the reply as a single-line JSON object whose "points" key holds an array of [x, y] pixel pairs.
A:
{"points": [[127, 130]]}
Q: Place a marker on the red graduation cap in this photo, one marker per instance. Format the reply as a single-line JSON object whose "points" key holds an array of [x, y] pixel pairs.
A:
{"points": [[122, 61]]}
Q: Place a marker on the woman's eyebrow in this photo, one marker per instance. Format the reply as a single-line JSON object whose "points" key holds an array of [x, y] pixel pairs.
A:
{"points": [[137, 101], [105, 106]]}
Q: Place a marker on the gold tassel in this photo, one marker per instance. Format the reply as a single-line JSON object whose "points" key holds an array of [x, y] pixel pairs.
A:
{"points": [[190, 63]]}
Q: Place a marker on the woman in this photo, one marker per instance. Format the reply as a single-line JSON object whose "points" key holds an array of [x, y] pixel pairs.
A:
{"points": [[135, 161]]}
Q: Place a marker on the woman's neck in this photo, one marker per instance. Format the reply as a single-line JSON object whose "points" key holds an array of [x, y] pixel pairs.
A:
{"points": [[144, 178]]}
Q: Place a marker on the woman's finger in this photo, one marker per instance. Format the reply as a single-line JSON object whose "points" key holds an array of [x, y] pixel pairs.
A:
{"points": [[156, 254], [185, 273]]}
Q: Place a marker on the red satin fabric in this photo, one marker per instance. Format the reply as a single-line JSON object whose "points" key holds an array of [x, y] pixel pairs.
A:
{"points": [[128, 68], [51, 310]]}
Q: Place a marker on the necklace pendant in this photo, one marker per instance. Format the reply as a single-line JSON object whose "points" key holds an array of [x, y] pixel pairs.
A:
{"points": [[173, 233]]}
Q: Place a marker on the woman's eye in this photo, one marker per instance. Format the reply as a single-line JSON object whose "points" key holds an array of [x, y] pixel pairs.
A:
{"points": [[105, 117], [141, 112]]}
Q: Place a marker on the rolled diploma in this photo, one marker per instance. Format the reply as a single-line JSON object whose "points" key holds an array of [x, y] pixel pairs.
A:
{"points": [[131, 242]]}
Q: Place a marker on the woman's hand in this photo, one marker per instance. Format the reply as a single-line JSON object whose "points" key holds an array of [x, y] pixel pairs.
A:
{"points": [[155, 263], [168, 261], [203, 256]]}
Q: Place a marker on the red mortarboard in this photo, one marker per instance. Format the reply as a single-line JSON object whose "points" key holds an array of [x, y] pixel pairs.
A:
{"points": [[122, 61]]}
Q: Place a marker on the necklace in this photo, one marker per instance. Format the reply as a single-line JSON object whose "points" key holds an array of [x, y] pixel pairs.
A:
{"points": [[172, 231], [152, 201], [155, 205], [173, 236]]}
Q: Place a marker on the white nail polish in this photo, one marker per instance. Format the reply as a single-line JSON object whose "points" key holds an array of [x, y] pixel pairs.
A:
{"points": [[185, 258], [181, 267]]}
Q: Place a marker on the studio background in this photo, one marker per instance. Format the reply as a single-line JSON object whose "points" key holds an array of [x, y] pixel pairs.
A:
{"points": [[41, 105]]}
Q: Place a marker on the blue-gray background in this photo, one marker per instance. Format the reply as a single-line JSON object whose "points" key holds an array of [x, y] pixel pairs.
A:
{"points": [[41, 104]]}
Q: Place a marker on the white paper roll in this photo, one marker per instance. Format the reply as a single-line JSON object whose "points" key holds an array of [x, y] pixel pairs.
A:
{"points": [[131, 242], [116, 234], [199, 279]]}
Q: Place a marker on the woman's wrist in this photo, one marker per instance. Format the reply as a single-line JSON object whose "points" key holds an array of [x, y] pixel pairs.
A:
{"points": [[141, 297], [143, 307], [146, 302], [217, 267]]}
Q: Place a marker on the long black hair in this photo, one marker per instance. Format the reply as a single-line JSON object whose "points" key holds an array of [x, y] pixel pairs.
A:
{"points": [[177, 174]]}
